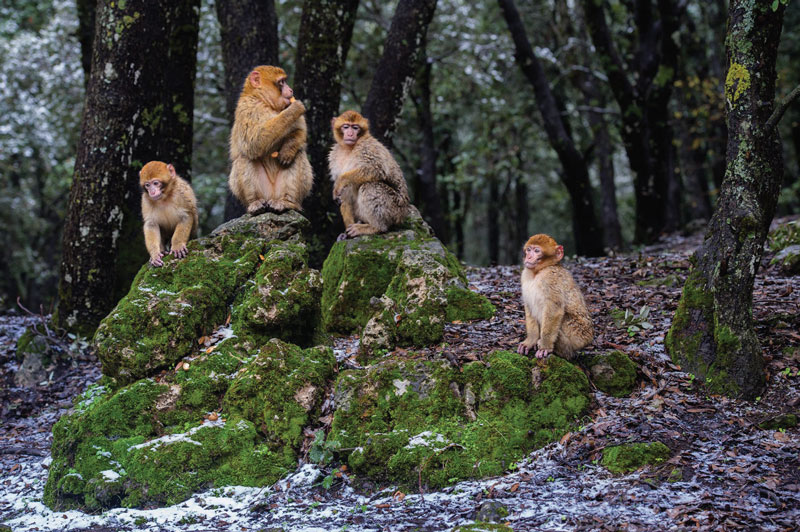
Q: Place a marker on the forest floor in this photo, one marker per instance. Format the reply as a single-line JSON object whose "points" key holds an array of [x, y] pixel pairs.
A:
{"points": [[725, 472]]}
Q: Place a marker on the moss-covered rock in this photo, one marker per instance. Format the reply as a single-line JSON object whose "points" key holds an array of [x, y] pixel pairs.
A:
{"points": [[784, 421], [168, 308], [788, 259], [614, 373], [233, 409], [410, 419], [148, 443], [631, 456], [411, 268]]}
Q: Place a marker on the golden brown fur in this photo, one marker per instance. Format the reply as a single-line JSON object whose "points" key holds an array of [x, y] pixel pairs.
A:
{"points": [[556, 317], [169, 211], [367, 179], [269, 168]]}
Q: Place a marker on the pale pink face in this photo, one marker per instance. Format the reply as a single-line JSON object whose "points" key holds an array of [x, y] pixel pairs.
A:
{"points": [[533, 254], [286, 91], [154, 188], [350, 133]]}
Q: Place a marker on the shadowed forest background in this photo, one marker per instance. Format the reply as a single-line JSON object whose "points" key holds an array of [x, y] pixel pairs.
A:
{"points": [[470, 138]]}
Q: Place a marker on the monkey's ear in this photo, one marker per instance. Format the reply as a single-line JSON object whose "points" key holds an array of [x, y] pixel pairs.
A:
{"points": [[333, 123], [255, 78], [171, 170], [559, 252]]}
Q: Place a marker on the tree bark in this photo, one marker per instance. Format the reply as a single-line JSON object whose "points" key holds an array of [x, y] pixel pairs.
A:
{"points": [[86, 20], [575, 175], [249, 38], [323, 42], [428, 197], [645, 130], [405, 44], [124, 125], [712, 332]]}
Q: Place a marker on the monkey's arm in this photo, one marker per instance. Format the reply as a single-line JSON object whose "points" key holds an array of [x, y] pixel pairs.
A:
{"points": [[356, 178], [257, 132], [181, 236], [532, 333], [152, 241], [552, 316], [291, 145]]}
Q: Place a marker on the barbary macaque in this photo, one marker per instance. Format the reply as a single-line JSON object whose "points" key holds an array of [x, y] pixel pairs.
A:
{"points": [[556, 318], [169, 211], [270, 168], [368, 182]]}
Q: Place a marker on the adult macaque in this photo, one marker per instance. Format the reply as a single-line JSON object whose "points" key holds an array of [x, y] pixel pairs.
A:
{"points": [[169, 210], [270, 169], [367, 180], [556, 318]]}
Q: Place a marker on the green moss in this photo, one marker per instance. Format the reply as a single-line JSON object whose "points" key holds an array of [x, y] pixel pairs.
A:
{"points": [[167, 308], [785, 421], [736, 82], [614, 373], [283, 301], [463, 305], [681, 342], [630, 457], [280, 391], [408, 419]]}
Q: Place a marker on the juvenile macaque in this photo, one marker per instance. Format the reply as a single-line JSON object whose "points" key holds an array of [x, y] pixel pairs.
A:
{"points": [[556, 318], [270, 169], [169, 210], [367, 180]]}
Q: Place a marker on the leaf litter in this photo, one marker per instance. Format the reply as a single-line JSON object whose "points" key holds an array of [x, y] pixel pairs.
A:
{"points": [[725, 471]]}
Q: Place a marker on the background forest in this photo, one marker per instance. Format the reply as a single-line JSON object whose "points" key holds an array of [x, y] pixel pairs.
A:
{"points": [[475, 150]]}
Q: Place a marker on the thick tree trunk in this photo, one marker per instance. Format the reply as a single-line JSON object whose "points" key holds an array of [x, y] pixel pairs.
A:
{"points": [[323, 43], [428, 193], [86, 19], [493, 221], [645, 131], [404, 45], [124, 126], [712, 332], [249, 37], [575, 175]]}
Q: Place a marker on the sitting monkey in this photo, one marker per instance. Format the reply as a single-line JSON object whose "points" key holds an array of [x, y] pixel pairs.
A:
{"points": [[367, 180], [270, 169], [556, 317]]}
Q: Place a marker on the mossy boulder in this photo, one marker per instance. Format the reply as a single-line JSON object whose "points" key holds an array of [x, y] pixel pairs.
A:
{"points": [[406, 419], [155, 442], [614, 373], [424, 283], [620, 459], [178, 411], [169, 308], [784, 241]]}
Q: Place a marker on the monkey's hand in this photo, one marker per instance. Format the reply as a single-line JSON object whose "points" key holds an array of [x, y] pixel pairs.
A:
{"points": [[179, 252], [257, 207], [542, 351], [297, 107], [287, 154], [156, 261], [525, 346], [338, 187]]}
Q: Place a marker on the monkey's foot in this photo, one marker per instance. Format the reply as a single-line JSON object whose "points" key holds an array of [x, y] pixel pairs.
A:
{"points": [[342, 236], [257, 207], [361, 229]]}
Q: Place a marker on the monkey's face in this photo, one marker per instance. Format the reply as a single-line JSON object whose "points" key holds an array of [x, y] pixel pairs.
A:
{"points": [[350, 133], [154, 189], [533, 254], [286, 92]]}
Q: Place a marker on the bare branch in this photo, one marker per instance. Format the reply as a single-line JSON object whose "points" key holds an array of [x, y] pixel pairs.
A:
{"points": [[777, 114]]}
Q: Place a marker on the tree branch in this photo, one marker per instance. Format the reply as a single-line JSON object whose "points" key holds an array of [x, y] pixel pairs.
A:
{"points": [[777, 114]]}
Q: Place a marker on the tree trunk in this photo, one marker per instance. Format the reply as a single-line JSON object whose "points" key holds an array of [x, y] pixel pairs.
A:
{"points": [[645, 131], [493, 220], [249, 37], [399, 64], [323, 43], [86, 19], [124, 126], [712, 332], [575, 175], [428, 197]]}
